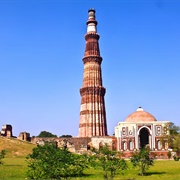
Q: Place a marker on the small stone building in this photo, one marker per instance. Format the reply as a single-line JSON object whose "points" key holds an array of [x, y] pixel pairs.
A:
{"points": [[24, 136], [140, 129], [6, 130]]}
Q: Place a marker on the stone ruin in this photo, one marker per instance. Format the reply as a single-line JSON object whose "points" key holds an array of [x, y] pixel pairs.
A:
{"points": [[79, 144], [25, 136], [6, 131]]}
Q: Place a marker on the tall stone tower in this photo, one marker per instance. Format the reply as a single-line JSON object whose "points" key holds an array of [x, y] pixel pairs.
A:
{"points": [[92, 112]]}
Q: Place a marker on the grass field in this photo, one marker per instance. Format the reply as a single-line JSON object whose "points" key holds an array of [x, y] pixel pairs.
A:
{"points": [[15, 168], [15, 165], [15, 147]]}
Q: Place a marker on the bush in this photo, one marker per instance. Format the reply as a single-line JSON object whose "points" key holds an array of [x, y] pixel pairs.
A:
{"points": [[176, 158], [2, 154], [109, 161], [142, 159], [169, 154], [51, 162]]}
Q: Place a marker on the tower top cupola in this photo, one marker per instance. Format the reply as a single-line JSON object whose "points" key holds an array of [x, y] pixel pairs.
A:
{"points": [[91, 23]]}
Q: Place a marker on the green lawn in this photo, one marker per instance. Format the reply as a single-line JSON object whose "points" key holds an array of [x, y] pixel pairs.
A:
{"points": [[162, 169], [14, 168]]}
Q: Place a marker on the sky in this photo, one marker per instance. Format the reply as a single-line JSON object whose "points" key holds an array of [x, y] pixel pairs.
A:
{"points": [[41, 70]]}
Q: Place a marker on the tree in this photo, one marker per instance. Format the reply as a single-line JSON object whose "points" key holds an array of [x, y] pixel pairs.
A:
{"points": [[142, 159], [51, 162], [172, 138], [169, 154], [109, 161], [46, 134], [2, 154], [175, 138], [66, 136], [174, 130], [176, 144]]}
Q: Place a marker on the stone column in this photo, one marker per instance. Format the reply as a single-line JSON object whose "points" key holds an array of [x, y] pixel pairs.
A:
{"points": [[92, 111]]}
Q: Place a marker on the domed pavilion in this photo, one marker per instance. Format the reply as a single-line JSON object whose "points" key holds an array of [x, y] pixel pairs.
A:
{"points": [[141, 129]]}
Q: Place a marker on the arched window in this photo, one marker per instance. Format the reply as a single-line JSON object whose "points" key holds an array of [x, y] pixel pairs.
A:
{"points": [[131, 145], [159, 144], [124, 145], [166, 145]]}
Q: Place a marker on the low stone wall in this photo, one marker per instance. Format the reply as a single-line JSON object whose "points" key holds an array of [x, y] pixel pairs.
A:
{"points": [[79, 144], [74, 144], [158, 154]]}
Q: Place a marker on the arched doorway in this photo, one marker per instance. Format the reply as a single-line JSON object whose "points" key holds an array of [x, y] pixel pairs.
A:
{"points": [[144, 137]]}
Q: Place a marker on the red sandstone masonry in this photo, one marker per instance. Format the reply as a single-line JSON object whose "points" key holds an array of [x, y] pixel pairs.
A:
{"points": [[92, 113]]}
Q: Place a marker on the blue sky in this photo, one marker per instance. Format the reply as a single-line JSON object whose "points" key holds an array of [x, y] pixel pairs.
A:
{"points": [[41, 49]]}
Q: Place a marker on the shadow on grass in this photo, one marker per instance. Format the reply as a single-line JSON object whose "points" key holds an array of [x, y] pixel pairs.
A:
{"points": [[147, 174], [154, 173], [12, 165], [79, 176]]}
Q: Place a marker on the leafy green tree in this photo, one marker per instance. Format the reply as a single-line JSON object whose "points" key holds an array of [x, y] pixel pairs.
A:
{"points": [[172, 138], [169, 154], [46, 134], [2, 154], [109, 161], [142, 159], [67, 136], [175, 138], [51, 162], [176, 144], [174, 130]]}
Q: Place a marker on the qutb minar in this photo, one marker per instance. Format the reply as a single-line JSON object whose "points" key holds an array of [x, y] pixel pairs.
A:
{"points": [[92, 111]]}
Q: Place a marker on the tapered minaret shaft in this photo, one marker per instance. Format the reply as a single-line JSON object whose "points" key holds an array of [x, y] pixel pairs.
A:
{"points": [[92, 113]]}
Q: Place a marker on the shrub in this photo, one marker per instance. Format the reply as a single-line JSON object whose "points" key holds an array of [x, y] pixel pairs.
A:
{"points": [[176, 158], [169, 154], [2, 154], [109, 161], [142, 159], [51, 162]]}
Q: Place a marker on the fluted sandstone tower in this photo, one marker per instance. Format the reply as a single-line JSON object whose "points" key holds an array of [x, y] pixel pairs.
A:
{"points": [[92, 113]]}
